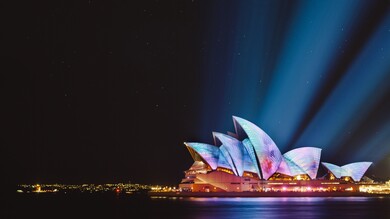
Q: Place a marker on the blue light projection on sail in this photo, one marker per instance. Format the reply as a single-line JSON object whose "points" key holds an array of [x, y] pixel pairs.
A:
{"points": [[310, 73]]}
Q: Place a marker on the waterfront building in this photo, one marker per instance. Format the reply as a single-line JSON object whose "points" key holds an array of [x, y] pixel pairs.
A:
{"points": [[249, 160]]}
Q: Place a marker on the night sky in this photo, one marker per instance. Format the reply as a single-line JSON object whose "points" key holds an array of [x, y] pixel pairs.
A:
{"points": [[108, 92]]}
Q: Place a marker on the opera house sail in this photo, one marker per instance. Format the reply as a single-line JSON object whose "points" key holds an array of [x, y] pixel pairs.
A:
{"points": [[249, 160]]}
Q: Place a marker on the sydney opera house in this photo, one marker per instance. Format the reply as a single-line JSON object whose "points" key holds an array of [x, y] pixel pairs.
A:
{"points": [[249, 160]]}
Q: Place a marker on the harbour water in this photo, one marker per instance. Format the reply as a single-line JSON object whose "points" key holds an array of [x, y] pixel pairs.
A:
{"points": [[125, 206]]}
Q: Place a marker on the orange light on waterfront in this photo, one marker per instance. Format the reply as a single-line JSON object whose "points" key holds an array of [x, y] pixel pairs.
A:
{"points": [[38, 188]]}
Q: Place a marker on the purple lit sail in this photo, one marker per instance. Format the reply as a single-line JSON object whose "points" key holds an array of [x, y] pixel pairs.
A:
{"points": [[208, 152], [235, 149], [266, 150], [306, 158], [353, 170]]}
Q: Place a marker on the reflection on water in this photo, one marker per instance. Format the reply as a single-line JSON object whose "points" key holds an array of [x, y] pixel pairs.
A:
{"points": [[287, 207], [110, 206]]}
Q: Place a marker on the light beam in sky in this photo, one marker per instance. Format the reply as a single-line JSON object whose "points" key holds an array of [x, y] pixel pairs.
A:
{"points": [[309, 73]]}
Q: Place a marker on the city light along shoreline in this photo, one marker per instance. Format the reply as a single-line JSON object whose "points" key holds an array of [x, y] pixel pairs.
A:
{"points": [[128, 188]]}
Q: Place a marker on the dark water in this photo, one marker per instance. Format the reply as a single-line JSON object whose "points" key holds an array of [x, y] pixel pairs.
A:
{"points": [[125, 207]]}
